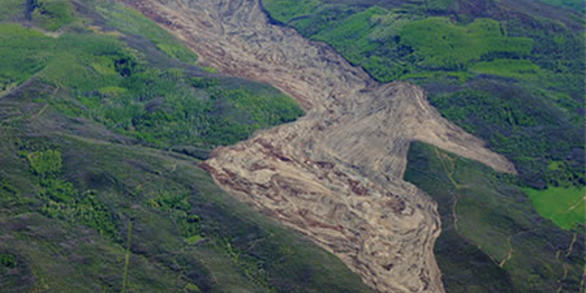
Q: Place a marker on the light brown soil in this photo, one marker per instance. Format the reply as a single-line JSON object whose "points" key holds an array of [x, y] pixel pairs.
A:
{"points": [[335, 174]]}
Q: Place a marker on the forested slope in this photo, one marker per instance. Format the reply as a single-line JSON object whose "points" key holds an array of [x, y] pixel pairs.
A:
{"points": [[104, 118]]}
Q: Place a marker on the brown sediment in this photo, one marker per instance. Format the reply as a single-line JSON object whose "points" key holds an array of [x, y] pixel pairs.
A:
{"points": [[335, 174]]}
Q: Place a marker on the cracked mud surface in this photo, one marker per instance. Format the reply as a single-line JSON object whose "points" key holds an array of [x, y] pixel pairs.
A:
{"points": [[335, 174]]}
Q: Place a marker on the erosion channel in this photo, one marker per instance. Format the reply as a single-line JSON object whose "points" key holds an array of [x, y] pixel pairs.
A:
{"points": [[335, 174]]}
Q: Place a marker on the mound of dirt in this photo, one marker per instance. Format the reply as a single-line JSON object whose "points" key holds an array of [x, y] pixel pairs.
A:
{"points": [[335, 174]]}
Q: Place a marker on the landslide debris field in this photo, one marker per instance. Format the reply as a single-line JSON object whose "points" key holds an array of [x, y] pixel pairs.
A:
{"points": [[106, 121], [336, 173], [509, 72]]}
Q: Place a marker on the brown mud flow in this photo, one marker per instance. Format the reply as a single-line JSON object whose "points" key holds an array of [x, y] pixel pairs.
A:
{"points": [[335, 174]]}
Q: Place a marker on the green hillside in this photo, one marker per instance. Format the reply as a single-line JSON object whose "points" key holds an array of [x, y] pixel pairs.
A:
{"points": [[509, 72], [493, 239], [104, 118]]}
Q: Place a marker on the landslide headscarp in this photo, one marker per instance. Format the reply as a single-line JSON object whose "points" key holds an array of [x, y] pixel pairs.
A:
{"points": [[335, 174]]}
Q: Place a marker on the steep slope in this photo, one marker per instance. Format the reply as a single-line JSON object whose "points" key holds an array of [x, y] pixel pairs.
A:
{"points": [[493, 239], [511, 73], [335, 174], [102, 117]]}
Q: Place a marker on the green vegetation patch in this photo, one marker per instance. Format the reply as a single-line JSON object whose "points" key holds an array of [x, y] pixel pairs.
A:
{"points": [[577, 5], [284, 10], [24, 52], [392, 44], [356, 38], [103, 79], [512, 68], [52, 14], [8, 261], [45, 163], [493, 239], [11, 9], [180, 210], [129, 21], [8, 193], [173, 226], [355, 28], [564, 206], [63, 200], [440, 44], [508, 118]]}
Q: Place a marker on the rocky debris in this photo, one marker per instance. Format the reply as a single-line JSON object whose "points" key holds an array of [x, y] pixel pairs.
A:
{"points": [[335, 174]]}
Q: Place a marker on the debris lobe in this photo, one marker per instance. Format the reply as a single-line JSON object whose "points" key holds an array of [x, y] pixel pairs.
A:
{"points": [[335, 174]]}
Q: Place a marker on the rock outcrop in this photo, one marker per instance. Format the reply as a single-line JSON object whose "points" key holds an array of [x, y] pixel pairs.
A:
{"points": [[335, 174]]}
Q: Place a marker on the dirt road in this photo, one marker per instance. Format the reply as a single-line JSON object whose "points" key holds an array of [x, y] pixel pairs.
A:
{"points": [[335, 174]]}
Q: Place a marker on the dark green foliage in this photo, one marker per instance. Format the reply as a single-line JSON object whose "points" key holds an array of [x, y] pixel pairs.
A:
{"points": [[577, 5], [192, 115], [493, 240], [284, 11], [84, 209], [466, 268], [131, 22], [14, 272], [523, 127], [102, 79], [125, 66], [45, 163], [8, 261], [177, 206], [438, 44], [63, 201], [184, 228], [7, 192], [52, 14]]}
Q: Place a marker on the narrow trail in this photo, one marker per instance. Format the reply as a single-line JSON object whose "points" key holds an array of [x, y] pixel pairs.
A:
{"points": [[509, 253], [127, 259], [335, 174], [571, 246], [454, 214]]}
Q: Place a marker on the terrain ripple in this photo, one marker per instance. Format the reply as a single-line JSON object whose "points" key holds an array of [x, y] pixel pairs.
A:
{"points": [[335, 174]]}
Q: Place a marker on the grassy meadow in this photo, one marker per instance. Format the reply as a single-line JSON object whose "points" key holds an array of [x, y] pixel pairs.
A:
{"points": [[564, 206]]}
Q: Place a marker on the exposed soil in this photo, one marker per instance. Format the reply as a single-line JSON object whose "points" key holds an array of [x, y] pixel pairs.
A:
{"points": [[335, 174]]}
